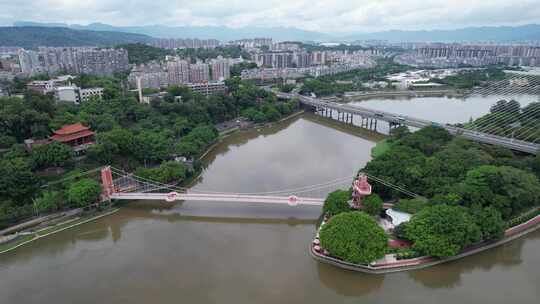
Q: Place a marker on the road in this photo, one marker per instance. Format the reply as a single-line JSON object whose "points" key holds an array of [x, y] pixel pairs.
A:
{"points": [[514, 144]]}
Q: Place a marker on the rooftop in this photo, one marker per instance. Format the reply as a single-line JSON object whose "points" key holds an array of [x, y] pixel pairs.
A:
{"points": [[71, 129]]}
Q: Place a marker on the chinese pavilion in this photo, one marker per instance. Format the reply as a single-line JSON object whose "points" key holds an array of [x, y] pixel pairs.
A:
{"points": [[361, 188], [78, 136]]}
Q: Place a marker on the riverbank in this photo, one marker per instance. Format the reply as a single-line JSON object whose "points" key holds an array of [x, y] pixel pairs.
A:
{"points": [[25, 238], [381, 148], [424, 261]]}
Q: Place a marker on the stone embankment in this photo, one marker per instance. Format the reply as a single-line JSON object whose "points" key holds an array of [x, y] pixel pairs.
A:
{"points": [[425, 261]]}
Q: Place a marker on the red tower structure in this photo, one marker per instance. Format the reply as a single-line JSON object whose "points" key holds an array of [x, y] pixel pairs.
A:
{"points": [[107, 182], [361, 188]]}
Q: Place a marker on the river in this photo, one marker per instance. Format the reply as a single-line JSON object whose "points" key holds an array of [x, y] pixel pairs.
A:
{"points": [[195, 252]]}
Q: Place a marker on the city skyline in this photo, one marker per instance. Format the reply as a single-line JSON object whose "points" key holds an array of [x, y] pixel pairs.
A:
{"points": [[331, 17]]}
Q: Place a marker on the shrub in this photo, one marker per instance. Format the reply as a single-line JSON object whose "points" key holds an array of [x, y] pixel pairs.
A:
{"points": [[354, 237], [523, 218], [405, 254], [400, 231], [48, 201]]}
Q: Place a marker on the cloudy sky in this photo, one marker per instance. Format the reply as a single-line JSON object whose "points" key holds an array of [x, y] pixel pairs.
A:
{"points": [[330, 16]]}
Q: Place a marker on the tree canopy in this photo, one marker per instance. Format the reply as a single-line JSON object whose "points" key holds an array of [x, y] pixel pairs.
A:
{"points": [[373, 204], [83, 192], [337, 202], [442, 230], [354, 237]]}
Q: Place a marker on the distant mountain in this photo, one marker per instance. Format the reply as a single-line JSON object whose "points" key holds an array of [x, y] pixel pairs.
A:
{"points": [[471, 34], [30, 37], [202, 32]]}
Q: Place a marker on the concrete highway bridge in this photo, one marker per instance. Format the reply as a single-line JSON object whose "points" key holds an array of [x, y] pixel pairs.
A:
{"points": [[370, 117]]}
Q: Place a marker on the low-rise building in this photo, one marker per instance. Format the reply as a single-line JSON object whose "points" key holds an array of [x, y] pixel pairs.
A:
{"points": [[208, 88], [77, 95], [48, 86], [86, 94]]}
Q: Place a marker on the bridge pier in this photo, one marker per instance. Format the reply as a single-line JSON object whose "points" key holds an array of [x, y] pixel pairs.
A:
{"points": [[393, 125]]}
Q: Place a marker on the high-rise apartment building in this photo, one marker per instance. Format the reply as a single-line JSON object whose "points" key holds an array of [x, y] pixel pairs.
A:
{"points": [[178, 71], [275, 60], [87, 60], [199, 72], [102, 61], [302, 59], [220, 69]]}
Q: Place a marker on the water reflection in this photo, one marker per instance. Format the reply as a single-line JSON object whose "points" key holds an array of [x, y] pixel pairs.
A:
{"points": [[442, 109], [349, 283], [449, 274], [298, 153]]}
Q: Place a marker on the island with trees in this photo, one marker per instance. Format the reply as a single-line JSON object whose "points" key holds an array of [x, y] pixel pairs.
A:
{"points": [[467, 197]]}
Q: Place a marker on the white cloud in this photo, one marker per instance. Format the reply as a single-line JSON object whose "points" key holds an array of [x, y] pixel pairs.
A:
{"points": [[332, 16]]}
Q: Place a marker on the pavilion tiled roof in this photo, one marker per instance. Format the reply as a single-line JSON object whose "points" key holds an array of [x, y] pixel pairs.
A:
{"points": [[71, 129], [70, 137]]}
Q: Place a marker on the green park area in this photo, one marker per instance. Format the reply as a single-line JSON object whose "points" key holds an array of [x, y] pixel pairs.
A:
{"points": [[136, 137], [466, 193]]}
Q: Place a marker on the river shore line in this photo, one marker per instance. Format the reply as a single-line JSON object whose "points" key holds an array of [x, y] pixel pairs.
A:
{"points": [[421, 93], [426, 261], [27, 238]]}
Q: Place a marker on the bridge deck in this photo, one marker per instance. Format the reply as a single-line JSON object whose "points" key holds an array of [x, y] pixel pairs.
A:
{"points": [[220, 198], [240, 198]]}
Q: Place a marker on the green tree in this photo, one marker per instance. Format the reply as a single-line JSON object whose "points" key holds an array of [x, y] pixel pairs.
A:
{"points": [[354, 237], [7, 141], [337, 202], [167, 172], [54, 154], [413, 205], [151, 146], [373, 204], [399, 132], [507, 189], [442, 230], [83, 192], [490, 222], [428, 140], [141, 53], [17, 182]]}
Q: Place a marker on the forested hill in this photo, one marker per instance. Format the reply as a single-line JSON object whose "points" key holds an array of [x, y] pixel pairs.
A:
{"points": [[31, 37]]}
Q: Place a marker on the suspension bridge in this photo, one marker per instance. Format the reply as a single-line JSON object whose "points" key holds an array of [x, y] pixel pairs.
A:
{"points": [[523, 135], [120, 185]]}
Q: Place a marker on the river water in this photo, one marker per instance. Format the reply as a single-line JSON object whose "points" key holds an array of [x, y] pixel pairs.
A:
{"points": [[194, 252]]}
